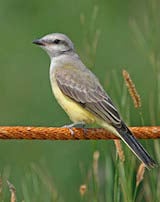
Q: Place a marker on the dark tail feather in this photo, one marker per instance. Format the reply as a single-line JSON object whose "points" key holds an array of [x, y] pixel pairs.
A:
{"points": [[126, 135]]}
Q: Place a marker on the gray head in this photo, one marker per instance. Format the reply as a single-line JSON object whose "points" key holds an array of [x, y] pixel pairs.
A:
{"points": [[55, 44]]}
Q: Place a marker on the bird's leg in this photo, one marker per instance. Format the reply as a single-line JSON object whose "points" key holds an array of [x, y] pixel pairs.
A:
{"points": [[76, 125]]}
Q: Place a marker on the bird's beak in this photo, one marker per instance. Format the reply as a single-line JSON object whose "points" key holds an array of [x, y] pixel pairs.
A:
{"points": [[39, 42]]}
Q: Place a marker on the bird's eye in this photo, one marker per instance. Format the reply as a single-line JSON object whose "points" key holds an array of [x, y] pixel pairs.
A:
{"points": [[56, 41]]}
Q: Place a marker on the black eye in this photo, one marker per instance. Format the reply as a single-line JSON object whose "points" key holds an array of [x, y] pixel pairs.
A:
{"points": [[56, 41]]}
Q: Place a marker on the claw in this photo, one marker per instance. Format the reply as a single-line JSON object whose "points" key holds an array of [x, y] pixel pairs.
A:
{"points": [[77, 125], [71, 131]]}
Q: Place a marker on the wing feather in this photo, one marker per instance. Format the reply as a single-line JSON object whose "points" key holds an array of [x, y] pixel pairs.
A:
{"points": [[84, 88]]}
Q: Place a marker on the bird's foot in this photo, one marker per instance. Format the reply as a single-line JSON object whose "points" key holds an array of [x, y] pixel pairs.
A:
{"points": [[75, 125]]}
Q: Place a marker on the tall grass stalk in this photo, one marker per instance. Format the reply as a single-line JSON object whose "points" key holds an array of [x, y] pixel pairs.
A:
{"points": [[146, 30]]}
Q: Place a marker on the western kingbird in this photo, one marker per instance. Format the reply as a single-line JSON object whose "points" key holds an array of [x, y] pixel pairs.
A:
{"points": [[81, 95]]}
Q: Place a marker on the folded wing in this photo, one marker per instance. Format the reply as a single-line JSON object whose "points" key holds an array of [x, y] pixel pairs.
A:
{"points": [[84, 88]]}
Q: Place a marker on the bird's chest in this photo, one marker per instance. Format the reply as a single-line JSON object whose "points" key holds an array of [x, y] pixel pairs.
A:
{"points": [[72, 108]]}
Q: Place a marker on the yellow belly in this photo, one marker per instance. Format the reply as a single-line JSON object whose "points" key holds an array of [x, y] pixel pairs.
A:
{"points": [[73, 109]]}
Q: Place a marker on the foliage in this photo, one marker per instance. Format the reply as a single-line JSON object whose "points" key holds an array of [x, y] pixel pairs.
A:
{"points": [[110, 36]]}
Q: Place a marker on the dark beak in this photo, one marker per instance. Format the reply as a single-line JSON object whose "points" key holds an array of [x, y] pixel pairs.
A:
{"points": [[39, 42]]}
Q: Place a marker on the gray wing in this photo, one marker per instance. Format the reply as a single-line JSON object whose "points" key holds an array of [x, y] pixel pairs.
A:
{"points": [[84, 88]]}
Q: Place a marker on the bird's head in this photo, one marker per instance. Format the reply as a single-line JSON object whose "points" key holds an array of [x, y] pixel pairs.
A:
{"points": [[55, 44]]}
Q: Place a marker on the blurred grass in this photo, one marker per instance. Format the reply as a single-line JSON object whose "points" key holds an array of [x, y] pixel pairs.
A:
{"points": [[109, 36]]}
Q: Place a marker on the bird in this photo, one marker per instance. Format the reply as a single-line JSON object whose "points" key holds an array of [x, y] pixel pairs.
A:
{"points": [[81, 95]]}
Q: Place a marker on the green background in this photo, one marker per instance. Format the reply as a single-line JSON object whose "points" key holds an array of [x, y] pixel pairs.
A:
{"points": [[128, 39]]}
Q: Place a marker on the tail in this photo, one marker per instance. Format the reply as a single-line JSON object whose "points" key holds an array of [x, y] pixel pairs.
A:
{"points": [[126, 135]]}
